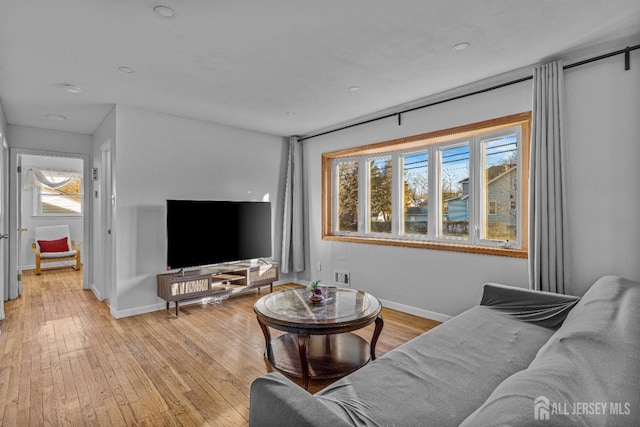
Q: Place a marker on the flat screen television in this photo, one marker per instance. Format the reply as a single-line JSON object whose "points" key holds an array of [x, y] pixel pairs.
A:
{"points": [[210, 232]]}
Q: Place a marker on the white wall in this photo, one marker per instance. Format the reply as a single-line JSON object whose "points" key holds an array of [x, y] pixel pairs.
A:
{"points": [[603, 103], [427, 282], [29, 221], [3, 120], [159, 157], [49, 140], [106, 132], [603, 145]]}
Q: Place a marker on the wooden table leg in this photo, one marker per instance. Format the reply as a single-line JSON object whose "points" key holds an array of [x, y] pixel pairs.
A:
{"points": [[376, 335], [303, 341], [267, 339], [176, 308]]}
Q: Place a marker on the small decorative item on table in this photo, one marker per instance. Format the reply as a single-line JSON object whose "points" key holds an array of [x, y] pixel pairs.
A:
{"points": [[316, 292]]}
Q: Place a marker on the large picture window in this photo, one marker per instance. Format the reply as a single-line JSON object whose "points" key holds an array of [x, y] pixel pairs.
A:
{"points": [[455, 189]]}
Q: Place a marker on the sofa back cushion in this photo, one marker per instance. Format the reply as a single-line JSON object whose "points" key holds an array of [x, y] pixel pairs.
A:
{"points": [[588, 373]]}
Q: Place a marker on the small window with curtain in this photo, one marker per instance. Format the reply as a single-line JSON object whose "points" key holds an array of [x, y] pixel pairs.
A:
{"points": [[56, 193]]}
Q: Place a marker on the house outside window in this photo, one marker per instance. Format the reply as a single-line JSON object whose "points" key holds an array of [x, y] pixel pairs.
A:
{"points": [[454, 189]]}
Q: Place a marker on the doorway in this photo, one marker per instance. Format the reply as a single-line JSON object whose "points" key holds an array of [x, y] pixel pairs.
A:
{"points": [[39, 203]]}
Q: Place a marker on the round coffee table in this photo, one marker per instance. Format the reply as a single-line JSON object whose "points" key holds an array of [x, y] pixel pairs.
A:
{"points": [[318, 343]]}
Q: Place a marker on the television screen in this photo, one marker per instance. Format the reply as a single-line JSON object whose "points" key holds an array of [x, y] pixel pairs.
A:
{"points": [[210, 232]]}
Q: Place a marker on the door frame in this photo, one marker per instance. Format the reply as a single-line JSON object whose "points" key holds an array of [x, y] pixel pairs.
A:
{"points": [[107, 273], [15, 198], [4, 220]]}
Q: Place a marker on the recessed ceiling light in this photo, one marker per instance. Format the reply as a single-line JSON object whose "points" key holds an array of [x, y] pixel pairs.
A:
{"points": [[291, 113], [126, 69], [354, 88], [461, 46], [71, 88], [55, 116], [165, 12]]}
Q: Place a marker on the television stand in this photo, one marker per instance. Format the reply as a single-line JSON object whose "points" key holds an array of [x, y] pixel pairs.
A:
{"points": [[219, 282]]}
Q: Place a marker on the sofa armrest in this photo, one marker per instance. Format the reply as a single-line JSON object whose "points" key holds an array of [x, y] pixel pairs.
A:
{"points": [[543, 308], [277, 401]]}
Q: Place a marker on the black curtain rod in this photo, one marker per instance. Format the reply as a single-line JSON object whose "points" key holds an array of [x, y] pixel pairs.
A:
{"points": [[624, 51]]}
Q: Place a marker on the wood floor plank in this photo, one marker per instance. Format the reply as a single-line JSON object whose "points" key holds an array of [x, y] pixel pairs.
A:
{"points": [[66, 361], [48, 398]]}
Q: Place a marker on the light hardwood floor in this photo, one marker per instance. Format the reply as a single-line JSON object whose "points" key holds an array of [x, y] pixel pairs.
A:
{"points": [[66, 361]]}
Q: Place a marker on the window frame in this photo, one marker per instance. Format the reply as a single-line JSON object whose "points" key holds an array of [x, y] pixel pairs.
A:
{"points": [[367, 229], [335, 181], [400, 222], [432, 142], [493, 208]]}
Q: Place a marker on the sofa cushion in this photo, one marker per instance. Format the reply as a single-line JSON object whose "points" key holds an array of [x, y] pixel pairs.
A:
{"points": [[586, 374], [440, 377]]}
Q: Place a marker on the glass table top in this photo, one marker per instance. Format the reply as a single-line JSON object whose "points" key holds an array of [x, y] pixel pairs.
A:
{"points": [[339, 305]]}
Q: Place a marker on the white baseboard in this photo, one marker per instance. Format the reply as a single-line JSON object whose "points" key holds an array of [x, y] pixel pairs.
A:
{"points": [[52, 265], [401, 307], [118, 314], [427, 314], [96, 292]]}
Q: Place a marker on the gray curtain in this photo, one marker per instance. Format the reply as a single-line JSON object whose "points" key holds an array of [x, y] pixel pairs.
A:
{"points": [[293, 225], [547, 213]]}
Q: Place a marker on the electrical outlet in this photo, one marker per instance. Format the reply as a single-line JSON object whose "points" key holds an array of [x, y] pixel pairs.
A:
{"points": [[319, 266], [341, 278]]}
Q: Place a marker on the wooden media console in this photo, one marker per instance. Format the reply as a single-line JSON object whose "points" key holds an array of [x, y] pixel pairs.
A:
{"points": [[218, 281]]}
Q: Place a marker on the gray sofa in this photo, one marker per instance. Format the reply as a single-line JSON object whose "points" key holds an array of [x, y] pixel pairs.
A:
{"points": [[519, 358]]}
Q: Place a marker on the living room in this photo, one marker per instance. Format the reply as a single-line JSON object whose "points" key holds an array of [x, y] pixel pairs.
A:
{"points": [[601, 105], [159, 155]]}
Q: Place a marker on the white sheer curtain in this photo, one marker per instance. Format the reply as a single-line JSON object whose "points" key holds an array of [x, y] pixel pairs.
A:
{"points": [[547, 212], [292, 228], [35, 177]]}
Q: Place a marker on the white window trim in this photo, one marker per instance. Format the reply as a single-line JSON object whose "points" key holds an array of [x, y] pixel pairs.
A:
{"points": [[399, 196], [336, 199], [365, 211]]}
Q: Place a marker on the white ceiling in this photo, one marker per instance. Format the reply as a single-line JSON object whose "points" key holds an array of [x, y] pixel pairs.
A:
{"points": [[250, 63]]}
